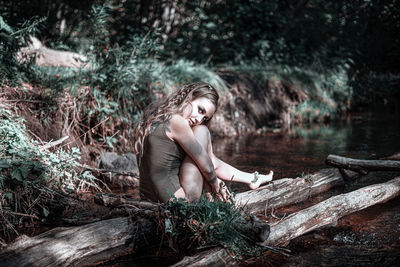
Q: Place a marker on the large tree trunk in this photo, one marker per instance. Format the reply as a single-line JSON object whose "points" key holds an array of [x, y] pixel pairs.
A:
{"points": [[111, 238], [362, 165], [277, 194], [108, 239], [287, 191], [45, 56], [83, 245], [332, 209], [299, 223]]}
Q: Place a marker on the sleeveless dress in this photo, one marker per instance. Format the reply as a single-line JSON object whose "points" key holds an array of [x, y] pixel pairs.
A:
{"points": [[159, 165]]}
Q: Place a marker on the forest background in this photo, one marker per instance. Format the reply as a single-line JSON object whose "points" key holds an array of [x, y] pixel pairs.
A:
{"points": [[275, 63]]}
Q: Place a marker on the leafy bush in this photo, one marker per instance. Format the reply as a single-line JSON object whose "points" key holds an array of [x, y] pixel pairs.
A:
{"points": [[31, 178], [329, 92], [12, 71], [210, 223]]}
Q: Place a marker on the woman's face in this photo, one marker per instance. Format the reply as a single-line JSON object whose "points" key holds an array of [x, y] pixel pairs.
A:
{"points": [[198, 111]]}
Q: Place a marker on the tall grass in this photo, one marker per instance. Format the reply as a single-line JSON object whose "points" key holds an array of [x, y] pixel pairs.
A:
{"points": [[328, 91], [208, 223]]}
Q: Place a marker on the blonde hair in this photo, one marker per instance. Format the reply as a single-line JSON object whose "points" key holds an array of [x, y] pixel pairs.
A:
{"points": [[162, 110]]}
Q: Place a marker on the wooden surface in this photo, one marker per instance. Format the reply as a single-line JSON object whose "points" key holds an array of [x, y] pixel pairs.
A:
{"points": [[362, 165], [287, 191], [314, 217], [108, 239], [79, 246]]}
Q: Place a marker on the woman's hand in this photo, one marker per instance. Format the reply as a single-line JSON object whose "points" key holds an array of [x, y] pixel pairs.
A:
{"points": [[215, 185], [223, 192]]}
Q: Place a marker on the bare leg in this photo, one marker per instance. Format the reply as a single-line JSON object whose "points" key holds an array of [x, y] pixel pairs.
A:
{"points": [[190, 177]]}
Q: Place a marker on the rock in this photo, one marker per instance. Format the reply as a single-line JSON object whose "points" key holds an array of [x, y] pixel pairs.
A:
{"points": [[118, 163]]}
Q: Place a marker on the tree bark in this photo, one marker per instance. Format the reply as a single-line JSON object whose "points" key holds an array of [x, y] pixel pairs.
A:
{"points": [[314, 217], [330, 210], [395, 156], [45, 56], [287, 191], [279, 193], [362, 165], [108, 239], [79, 246]]}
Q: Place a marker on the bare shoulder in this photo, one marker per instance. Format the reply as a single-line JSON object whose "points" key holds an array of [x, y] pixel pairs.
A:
{"points": [[177, 126], [177, 122]]}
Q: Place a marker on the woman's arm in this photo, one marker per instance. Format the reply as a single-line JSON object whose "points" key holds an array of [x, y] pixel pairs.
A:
{"points": [[179, 130], [229, 173]]}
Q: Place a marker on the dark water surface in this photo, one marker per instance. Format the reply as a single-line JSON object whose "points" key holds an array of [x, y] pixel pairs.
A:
{"points": [[304, 149], [367, 238]]}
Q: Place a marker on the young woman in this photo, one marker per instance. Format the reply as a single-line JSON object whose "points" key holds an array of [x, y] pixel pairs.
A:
{"points": [[174, 150]]}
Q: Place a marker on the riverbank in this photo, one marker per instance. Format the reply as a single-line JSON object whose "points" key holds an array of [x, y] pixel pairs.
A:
{"points": [[40, 115]]}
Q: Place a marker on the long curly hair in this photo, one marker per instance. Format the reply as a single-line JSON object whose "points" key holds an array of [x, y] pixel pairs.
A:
{"points": [[162, 109]]}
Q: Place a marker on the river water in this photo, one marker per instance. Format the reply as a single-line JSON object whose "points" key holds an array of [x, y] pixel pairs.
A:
{"points": [[367, 238], [304, 148]]}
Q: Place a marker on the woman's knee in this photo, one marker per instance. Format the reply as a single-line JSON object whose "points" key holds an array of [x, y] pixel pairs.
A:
{"points": [[193, 194], [202, 134]]}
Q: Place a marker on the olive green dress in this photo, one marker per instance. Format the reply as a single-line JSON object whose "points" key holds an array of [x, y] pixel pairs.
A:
{"points": [[159, 166]]}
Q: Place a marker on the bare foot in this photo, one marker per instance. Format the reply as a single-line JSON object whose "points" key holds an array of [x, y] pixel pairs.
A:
{"points": [[260, 179]]}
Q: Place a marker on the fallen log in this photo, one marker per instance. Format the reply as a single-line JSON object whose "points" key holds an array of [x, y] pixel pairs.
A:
{"points": [[79, 246], [287, 191], [395, 156], [362, 165], [108, 239], [277, 194], [45, 56], [330, 210], [114, 201], [301, 222]]}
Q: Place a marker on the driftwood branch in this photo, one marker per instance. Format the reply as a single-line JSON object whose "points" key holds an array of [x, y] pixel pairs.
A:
{"points": [[54, 143], [279, 193], [45, 56], [362, 165], [314, 217], [110, 200], [395, 156], [330, 210], [124, 173]]}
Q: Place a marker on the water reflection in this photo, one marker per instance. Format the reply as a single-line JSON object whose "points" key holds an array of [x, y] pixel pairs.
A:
{"points": [[304, 149]]}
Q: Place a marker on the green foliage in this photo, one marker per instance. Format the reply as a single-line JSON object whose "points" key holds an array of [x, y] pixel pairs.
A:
{"points": [[328, 92], [121, 80], [210, 223], [66, 21], [183, 71], [375, 88], [12, 71], [359, 36], [31, 177]]}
